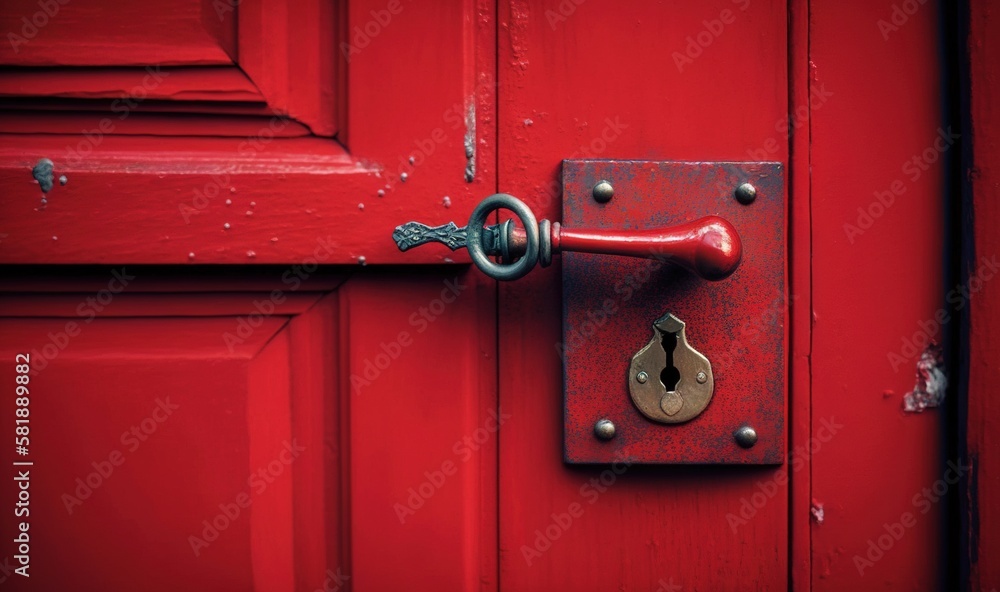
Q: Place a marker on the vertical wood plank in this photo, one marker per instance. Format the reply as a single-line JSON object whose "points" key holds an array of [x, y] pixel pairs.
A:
{"points": [[421, 381], [601, 80], [879, 147], [981, 517], [800, 297]]}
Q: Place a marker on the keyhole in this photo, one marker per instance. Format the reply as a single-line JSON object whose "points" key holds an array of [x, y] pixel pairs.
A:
{"points": [[670, 375]]}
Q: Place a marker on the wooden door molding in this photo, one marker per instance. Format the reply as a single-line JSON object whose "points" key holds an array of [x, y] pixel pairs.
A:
{"points": [[159, 170]]}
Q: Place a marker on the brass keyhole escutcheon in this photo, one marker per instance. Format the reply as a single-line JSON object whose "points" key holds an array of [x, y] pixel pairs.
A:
{"points": [[670, 381]]}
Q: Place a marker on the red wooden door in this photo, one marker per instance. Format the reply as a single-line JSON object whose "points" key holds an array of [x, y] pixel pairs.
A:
{"points": [[231, 386], [236, 381]]}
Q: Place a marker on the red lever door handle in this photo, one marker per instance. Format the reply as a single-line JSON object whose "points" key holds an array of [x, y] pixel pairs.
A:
{"points": [[710, 247]]}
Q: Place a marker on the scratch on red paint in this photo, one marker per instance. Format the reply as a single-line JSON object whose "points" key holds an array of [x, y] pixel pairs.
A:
{"points": [[931, 382]]}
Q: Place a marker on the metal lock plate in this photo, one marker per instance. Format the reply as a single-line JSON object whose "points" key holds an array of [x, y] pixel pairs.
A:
{"points": [[737, 326]]}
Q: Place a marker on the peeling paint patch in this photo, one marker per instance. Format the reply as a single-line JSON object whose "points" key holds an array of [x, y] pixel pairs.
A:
{"points": [[42, 172], [517, 29], [817, 511], [931, 381], [470, 139]]}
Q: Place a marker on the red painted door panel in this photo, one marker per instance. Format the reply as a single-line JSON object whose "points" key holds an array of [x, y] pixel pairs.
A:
{"points": [[277, 398], [193, 441], [172, 445]]}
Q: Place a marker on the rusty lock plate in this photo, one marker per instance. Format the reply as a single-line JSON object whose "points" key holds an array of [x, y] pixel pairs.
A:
{"points": [[726, 372]]}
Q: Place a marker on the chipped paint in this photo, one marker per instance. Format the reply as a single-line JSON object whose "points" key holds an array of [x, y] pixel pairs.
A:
{"points": [[42, 172], [931, 383], [470, 139], [517, 30], [817, 512]]}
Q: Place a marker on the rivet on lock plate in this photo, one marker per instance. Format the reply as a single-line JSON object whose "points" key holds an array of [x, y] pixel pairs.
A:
{"points": [[670, 381]]}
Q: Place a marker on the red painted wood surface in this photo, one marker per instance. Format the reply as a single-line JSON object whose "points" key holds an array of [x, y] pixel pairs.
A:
{"points": [[367, 478], [878, 259], [117, 32], [131, 86], [144, 412], [423, 430], [981, 547], [598, 80], [303, 194], [287, 49], [800, 286], [248, 50], [688, 81]]}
